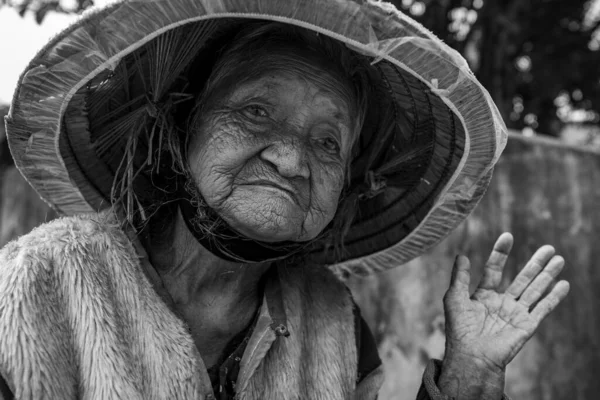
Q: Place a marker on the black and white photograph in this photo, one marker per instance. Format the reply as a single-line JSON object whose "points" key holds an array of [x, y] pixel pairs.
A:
{"points": [[299, 199]]}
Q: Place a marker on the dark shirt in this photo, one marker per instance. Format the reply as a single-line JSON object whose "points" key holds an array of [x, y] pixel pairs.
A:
{"points": [[223, 375]]}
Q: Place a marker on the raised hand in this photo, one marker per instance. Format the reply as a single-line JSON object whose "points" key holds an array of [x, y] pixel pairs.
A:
{"points": [[485, 330]]}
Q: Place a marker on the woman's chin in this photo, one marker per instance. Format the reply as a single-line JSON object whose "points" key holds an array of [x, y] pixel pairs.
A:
{"points": [[265, 218], [270, 230], [266, 232]]}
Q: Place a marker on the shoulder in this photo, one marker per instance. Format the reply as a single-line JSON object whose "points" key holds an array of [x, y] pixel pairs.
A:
{"points": [[320, 283], [63, 234], [311, 276], [318, 288], [329, 300], [39, 251], [49, 280]]}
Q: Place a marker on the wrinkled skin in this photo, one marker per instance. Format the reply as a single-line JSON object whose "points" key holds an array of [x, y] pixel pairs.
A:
{"points": [[270, 156]]}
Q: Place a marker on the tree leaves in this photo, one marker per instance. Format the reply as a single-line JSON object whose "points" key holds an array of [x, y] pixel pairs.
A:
{"points": [[553, 39], [41, 8]]}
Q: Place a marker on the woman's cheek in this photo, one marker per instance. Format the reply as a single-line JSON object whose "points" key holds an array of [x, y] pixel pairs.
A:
{"points": [[328, 183], [217, 156], [215, 189], [331, 175]]}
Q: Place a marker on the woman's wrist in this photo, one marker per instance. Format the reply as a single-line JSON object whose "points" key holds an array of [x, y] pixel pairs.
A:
{"points": [[466, 377]]}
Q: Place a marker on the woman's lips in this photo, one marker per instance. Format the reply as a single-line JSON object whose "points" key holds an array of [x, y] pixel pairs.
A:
{"points": [[290, 191]]}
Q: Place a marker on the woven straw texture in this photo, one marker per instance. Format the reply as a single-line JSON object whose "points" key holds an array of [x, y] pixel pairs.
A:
{"points": [[437, 99]]}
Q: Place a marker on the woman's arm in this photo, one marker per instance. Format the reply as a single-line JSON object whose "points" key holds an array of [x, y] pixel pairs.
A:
{"points": [[467, 378], [430, 389]]}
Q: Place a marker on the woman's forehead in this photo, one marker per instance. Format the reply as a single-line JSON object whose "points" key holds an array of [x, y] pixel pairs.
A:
{"points": [[296, 86], [271, 71]]}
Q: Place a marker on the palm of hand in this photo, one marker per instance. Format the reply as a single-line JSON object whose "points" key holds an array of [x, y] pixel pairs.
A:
{"points": [[492, 326]]}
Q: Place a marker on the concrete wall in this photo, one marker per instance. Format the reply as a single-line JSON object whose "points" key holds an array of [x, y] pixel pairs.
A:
{"points": [[21, 209], [542, 193]]}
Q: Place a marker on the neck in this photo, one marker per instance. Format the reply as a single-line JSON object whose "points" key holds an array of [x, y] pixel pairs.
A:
{"points": [[192, 275], [216, 298]]}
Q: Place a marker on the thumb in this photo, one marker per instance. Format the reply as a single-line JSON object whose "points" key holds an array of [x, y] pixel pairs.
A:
{"points": [[461, 277]]}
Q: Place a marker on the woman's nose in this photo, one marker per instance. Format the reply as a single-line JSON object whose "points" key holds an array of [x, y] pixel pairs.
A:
{"points": [[288, 157]]}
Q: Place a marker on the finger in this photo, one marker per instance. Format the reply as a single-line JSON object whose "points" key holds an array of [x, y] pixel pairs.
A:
{"points": [[550, 288], [533, 267], [461, 276], [549, 303], [542, 282], [492, 272]]}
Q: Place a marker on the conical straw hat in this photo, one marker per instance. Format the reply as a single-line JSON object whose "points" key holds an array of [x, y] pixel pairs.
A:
{"points": [[57, 126]]}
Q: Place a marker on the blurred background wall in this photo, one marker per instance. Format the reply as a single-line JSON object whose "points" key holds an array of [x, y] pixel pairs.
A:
{"points": [[543, 192], [20, 207]]}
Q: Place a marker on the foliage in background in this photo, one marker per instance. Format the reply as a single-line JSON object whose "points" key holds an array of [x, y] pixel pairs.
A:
{"points": [[42, 7], [538, 58]]}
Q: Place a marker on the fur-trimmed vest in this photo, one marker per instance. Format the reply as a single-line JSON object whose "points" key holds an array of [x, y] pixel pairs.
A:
{"points": [[80, 320]]}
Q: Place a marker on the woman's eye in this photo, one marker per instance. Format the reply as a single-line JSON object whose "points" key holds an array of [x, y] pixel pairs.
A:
{"points": [[256, 111], [329, 145]]}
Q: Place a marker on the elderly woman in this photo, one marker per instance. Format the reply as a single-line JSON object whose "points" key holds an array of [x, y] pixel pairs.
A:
{"points": [[222, 165]]}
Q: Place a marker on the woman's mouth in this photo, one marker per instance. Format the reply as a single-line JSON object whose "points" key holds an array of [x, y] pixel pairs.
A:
{"points": [[288, 190]]}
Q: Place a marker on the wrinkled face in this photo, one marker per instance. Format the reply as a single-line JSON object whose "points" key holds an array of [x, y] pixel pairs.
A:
{"points": [[270, 156]]}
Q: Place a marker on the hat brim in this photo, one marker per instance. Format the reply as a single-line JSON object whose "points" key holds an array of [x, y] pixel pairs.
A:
{"points": [[392, 228]]}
